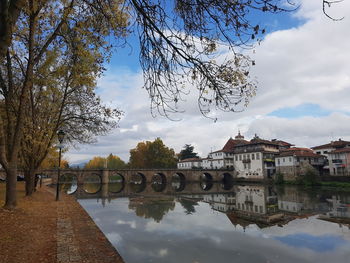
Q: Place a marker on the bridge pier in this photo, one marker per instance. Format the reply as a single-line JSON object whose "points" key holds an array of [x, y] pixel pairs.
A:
{"points": [[105, 176]]}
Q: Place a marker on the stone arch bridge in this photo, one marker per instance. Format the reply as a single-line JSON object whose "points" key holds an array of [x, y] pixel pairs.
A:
{"points": [[143, 175]]}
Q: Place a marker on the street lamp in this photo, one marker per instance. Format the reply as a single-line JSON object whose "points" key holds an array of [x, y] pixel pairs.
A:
{"points": [[60, 135]]}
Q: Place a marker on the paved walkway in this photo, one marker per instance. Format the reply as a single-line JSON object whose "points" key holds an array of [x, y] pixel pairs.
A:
{"points": [[42, 230]]}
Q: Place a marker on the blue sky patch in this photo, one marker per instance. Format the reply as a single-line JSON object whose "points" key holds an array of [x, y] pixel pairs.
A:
{"points": [[302, 110]]}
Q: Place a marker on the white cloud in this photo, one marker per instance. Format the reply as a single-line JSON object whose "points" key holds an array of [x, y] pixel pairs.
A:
{"points": [[305, 64]]}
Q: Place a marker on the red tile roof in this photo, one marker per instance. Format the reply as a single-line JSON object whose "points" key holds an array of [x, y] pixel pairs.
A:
{"points": [[342, 150], [231, 144], [300, 152], [336, 144], [282, 143]]}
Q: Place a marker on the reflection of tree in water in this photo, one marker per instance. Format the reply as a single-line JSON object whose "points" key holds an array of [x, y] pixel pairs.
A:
{"points": [[92, 187], [188, 205], [155, 208]]}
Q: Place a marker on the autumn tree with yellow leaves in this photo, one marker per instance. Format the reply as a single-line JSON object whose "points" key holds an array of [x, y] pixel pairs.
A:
{"points": [[111, 162]]}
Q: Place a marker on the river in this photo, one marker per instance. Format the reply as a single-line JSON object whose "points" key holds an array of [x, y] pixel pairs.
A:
{"points": [[236, 223]]}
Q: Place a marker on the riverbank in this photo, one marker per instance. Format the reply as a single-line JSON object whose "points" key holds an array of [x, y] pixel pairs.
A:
{"points": [[43, 230]]}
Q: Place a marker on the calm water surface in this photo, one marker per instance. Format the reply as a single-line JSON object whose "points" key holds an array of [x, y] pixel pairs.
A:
{"points": [[251, 223]]}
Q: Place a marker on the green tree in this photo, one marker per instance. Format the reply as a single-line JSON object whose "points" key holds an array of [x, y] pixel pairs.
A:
{"points": [[310, 177], [187, 152], [152, 155], [111, 162]]}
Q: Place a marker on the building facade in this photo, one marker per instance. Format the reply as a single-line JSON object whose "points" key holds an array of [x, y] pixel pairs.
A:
{"points": [[339, 162], [256, 159], [294, 162], [190, 163]]}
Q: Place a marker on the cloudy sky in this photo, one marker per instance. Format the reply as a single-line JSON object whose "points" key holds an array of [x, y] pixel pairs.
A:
{"points": [[303, 97]]}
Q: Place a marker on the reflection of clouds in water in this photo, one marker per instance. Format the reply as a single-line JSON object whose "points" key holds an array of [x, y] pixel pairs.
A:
{"points": [[206, 236], [114, 238], [312, 226], [163, 252], [132, 224]]}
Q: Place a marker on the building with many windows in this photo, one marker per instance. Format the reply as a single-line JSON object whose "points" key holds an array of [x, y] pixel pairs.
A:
{"points": [[295, 161], [223, 159], [256, 159], [326, 149], [339, 162], [190, 163]]}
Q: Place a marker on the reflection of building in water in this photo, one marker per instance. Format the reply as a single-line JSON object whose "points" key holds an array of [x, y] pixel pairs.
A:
{"points": [[338, 208], [296, 201], [221, 202], [255, 205], [257, 199]]}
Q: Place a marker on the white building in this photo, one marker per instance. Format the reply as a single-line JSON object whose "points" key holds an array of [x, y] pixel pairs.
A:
{"points": [[223, 159], [339, 162], [295, 161], [256, 159], [190, 163], [326, 149], [221, 202]]}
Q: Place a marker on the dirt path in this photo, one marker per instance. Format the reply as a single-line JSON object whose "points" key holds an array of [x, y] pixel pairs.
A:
{"points": [[42, 230]]}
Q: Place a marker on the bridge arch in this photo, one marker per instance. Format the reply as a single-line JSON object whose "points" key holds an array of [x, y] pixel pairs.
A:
{"points": [[68, 183], [138, 178], [158, 182], [116, 182], [178, 182], [226, 181], [137, 187], [92, 183], [206, 185], [206, 177]]}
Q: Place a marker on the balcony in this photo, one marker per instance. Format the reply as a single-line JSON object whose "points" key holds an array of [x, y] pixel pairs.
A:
{"points": [[269, 160], [246, 160]]}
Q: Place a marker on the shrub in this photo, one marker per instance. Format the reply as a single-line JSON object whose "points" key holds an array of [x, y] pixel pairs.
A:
{"points": [[279, 178], [310, 177]]}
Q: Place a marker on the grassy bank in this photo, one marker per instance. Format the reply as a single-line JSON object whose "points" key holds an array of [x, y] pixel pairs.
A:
{"points": [[338, 185]]}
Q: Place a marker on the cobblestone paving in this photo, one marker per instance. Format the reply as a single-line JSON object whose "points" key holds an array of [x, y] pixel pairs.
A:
{"points": [[67, 247]]}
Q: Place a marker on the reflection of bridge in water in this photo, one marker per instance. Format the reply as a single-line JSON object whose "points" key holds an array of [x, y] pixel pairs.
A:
{"points": [[121, 189]]}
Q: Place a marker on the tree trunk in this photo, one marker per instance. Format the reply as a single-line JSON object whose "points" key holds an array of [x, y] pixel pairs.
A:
{"points": [[30, 182], [11, 193]]}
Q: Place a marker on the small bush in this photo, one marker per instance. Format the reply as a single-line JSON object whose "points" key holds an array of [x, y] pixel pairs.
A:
{"points": [[310, 177], [279, 178]]}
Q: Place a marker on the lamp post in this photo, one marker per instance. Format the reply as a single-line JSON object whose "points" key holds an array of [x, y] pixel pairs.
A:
{"points": [[60, 135]]}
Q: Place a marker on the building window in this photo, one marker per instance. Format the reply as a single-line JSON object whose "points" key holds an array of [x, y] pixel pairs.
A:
{"points": [[236, 157], [290, 159], [253, 156], [240, 157], [257, 156], [278, 161], [283, 160]]}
